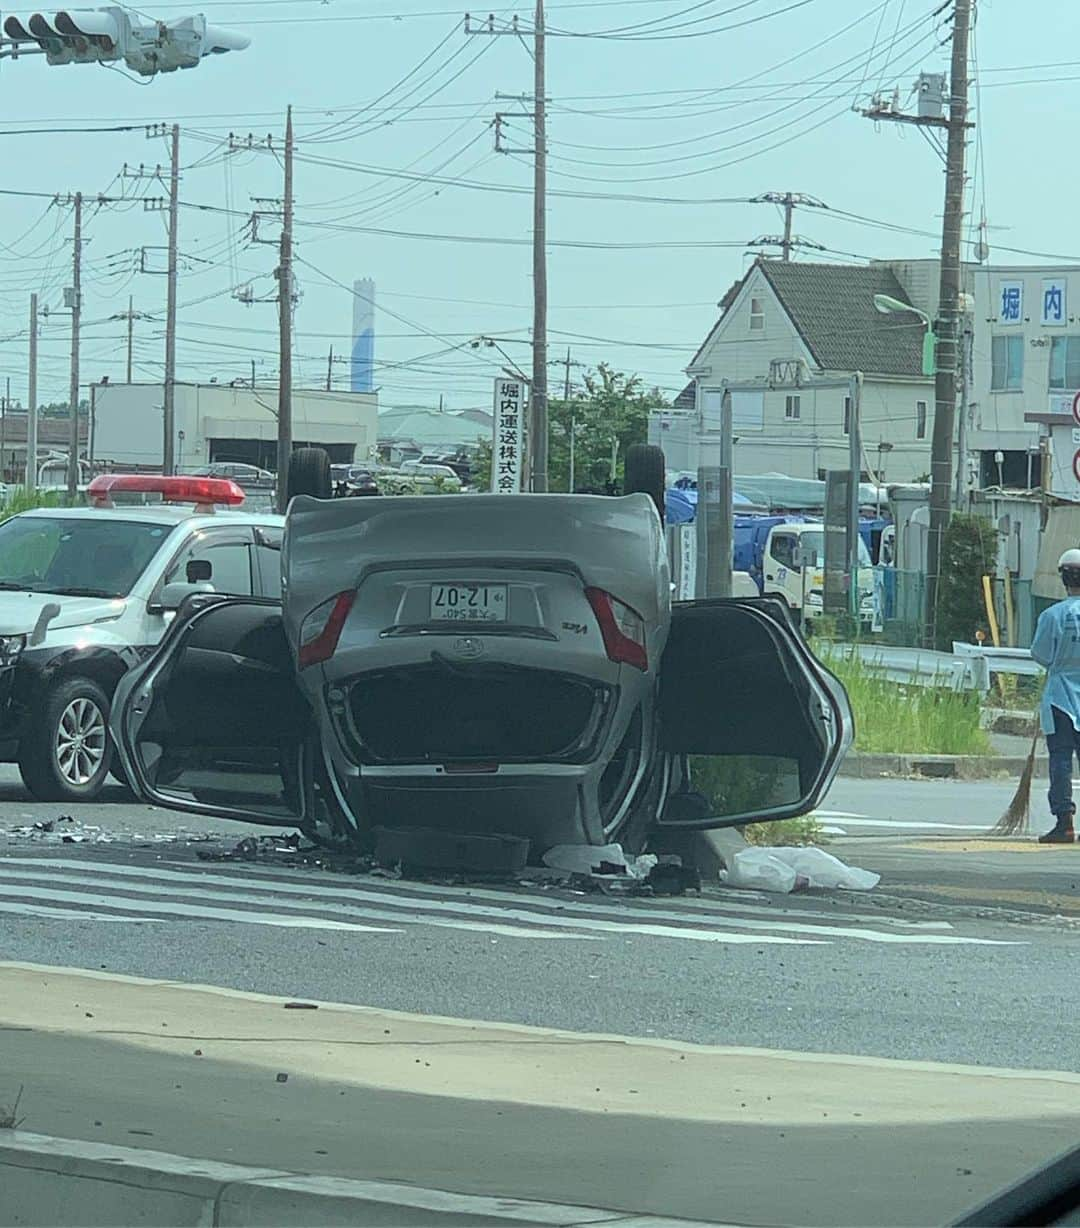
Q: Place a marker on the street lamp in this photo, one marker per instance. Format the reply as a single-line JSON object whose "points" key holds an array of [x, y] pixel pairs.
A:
{"points": [[888, 305]]}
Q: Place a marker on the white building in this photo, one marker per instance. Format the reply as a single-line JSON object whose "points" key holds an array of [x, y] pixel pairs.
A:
{"points": [[223, 422], [797, 322]]}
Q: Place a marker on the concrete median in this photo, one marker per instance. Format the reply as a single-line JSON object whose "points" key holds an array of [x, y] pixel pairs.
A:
{"points": [[69, 1183]]}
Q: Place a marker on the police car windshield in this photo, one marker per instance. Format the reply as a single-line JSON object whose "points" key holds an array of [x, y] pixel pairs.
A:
{"points": [[91, 557]]}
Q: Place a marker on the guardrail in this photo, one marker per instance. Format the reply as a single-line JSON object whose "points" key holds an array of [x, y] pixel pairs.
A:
{"points": [[969, 667]]}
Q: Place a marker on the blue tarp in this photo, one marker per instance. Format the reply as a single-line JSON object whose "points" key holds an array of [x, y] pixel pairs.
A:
{"points": [[680, 504]]}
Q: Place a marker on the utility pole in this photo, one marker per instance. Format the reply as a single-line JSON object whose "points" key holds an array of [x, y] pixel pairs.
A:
{"points": [[538, 386], [330, 369], [3, 429], [31, 409], [131, 334], [941, 448], [539, 416], [788, 201], [956, 126], [285, 301], [855, 472], [73, 387], [169, 449]]}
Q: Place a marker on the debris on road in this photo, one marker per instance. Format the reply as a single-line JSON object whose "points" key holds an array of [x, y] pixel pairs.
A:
{"points": [[425, 849], [66, 829], [783, 870], [599, 861]]}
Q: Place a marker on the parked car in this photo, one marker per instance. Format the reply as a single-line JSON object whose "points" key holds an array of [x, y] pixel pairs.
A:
{"points": [[506, 664], [352, 481], [439, 476], [86, 592], [237, 470]]}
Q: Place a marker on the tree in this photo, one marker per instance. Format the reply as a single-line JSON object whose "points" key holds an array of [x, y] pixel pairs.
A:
{"points": [[968, 552], [612, 410]]}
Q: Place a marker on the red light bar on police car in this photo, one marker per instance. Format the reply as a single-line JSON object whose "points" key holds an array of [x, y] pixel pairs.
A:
{"points": [[206, 492]]}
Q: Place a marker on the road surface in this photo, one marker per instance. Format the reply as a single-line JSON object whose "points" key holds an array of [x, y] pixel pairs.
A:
{"points": [[951, 960]]}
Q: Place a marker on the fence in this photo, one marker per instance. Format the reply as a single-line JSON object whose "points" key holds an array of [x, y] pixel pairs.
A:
{"points": [[903, 603]]}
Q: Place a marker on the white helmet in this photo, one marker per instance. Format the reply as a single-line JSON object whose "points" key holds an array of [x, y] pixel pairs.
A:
{"points": [[1070, 559]]}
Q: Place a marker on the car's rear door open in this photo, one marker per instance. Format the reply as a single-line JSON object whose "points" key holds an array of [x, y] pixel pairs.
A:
{"points": [[213, 721], [756, 723]]}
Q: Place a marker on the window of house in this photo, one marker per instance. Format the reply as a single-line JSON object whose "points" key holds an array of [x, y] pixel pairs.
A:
{"points": [[1065, 362], [847, 415], [757, 315], [793, 408], [1007, 362], [920, 419]]}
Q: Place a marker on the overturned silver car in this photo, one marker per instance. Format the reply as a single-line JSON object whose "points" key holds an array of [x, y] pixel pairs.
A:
{"points": [[481, 665]]}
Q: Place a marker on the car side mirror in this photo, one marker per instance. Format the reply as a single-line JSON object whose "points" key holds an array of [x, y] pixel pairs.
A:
{"points": [[199, 570], [173, 596]]}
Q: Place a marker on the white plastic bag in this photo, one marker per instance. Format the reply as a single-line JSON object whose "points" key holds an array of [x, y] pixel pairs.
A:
{"points": [[781, 870], [760, 870]]}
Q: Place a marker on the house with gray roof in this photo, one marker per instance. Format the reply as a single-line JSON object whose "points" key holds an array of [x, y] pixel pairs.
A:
{"points": [[784, 325]]}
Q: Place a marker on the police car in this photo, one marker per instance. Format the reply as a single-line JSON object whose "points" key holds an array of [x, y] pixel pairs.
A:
{"points": [[86, 592]]}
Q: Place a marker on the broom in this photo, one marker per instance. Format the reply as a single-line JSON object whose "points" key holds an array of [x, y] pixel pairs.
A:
{"points": [[1015, 819]]}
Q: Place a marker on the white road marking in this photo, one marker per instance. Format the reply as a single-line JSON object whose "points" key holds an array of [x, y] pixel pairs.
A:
{"points": [[203, 912], [194, 885], [463, 910], [916, 825]]}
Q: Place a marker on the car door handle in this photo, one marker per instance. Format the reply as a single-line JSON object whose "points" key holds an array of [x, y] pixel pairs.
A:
{"points": [[769, 576]]}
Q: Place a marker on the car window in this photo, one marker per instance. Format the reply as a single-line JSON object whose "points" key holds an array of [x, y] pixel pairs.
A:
{"points": [[269, 570], [94, 556], [783, 549], [230, 563]]}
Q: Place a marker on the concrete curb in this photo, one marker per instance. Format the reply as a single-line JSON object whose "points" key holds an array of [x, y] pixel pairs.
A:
{"points": [[71, 1183], [939, 767]]}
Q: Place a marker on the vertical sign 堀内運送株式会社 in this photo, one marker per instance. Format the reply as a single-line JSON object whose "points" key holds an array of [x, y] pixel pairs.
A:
{"points": [[507, 445]]}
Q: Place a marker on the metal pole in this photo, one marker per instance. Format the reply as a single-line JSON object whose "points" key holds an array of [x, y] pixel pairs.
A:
{"points": [[3, 430], [31, 408], [131, 334], [285, 301], [168, 453], [573, 433], [73, 387], [539, 416], [961, 445], [948, 311], [855, 468], [714, 520], [789, 209], [330, 369]]}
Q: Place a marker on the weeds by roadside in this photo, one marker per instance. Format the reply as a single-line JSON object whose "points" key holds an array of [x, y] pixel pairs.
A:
{"points": [[894, 719], [9, 1118], [785, 832], [23, 500]]}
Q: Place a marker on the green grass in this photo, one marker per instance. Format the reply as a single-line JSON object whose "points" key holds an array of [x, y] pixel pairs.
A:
{"points": [[895, 719], [22, 500], [781, 833]]}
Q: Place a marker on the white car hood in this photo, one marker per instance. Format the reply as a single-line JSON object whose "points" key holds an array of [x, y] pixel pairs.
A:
{"points": [[19, 612]]}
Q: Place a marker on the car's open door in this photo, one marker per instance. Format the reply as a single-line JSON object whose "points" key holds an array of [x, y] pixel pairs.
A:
{"points": [[753, 720], [213, 721]]}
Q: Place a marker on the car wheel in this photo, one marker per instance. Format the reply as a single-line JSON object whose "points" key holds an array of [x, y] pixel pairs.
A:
{"points": [[309, 474], [644, 473], [66, 754]]}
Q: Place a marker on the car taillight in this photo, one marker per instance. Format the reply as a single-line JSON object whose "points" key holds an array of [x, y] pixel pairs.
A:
{"points": [[622, 628], [321, 630]]}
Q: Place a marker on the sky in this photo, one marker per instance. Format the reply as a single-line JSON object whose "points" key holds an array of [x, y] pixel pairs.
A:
{"points": [[665, 118]]}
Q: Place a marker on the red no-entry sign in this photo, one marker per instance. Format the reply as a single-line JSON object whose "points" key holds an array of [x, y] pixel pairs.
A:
{"points": [[1076, 465], [1076, 408]]}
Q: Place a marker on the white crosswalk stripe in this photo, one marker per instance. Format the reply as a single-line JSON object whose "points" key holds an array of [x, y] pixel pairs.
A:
{"points": [[99, 890]]}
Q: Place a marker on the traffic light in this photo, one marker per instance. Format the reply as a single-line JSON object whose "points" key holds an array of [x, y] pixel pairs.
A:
{"points": [[89, 36]]}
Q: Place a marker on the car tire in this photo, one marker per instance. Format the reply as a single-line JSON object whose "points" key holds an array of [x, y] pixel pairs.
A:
{"points": [[66, 754], [644, 474], [309, 474]]}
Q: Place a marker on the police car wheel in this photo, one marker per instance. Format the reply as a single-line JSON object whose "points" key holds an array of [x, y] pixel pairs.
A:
{"points": [[66, 756]]}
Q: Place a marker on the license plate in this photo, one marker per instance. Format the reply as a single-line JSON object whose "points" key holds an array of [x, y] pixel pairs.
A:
{"points": [[468, 603]]}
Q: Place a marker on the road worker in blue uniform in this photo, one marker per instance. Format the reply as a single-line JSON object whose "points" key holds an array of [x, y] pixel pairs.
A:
{"points": [[1057, 647]]}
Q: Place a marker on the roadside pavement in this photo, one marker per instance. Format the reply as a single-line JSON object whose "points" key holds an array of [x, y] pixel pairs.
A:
{"points": [[743, 1136]]}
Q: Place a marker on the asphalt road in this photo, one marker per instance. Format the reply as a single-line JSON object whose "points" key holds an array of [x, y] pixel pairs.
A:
{"points": [[827, 972]]}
